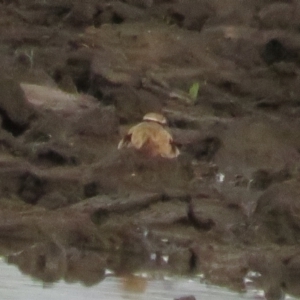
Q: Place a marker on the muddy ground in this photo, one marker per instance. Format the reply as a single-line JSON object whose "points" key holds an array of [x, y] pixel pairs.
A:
{"points": [[76, 74]]}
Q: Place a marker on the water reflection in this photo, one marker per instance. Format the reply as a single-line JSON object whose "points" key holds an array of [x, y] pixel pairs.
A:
{"points": [[50, 262], [15, 285], [52, 268]]}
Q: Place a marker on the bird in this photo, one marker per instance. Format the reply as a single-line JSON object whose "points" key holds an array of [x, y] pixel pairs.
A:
{"points": [[151, 138]]}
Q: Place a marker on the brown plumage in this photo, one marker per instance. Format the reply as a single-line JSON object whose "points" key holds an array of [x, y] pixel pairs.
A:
{"points": [[151, 138]]}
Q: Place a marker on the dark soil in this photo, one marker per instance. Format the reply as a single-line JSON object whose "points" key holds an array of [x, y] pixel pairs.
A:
{"points": [[75, 75]]}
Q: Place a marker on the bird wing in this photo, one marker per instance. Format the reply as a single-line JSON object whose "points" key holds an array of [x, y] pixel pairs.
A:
{"points": [[125, 141]]}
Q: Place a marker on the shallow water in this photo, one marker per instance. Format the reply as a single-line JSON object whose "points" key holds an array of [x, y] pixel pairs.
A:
{"points": [[15, 285]]}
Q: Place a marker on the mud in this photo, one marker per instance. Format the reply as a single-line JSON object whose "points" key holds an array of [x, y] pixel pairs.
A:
{"points": [[76, 75]]}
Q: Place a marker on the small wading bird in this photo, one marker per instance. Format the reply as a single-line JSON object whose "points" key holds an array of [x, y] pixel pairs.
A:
{"points": [[150, 137]]}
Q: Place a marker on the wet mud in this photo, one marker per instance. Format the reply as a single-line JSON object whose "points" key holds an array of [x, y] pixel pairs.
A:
{"points": [[75, 76]]}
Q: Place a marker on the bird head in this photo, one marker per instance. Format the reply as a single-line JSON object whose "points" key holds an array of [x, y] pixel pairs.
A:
{"points": [[155, 117]]}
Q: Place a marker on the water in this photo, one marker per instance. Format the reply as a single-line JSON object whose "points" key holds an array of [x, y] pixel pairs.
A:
{"points": [[17, 286]]}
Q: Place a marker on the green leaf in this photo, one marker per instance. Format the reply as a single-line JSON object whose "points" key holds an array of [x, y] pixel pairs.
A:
{"points": [[194, 90]]}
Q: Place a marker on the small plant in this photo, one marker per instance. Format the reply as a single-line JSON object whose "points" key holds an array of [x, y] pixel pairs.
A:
{"points": [[194, 90]]}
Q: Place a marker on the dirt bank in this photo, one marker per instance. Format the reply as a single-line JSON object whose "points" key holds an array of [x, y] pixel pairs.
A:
{"points": [[76, 75]]}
